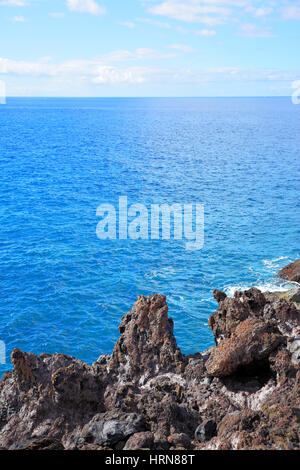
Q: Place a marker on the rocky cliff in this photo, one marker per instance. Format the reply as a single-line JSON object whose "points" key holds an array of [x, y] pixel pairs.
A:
{"points": [[244, 393]]}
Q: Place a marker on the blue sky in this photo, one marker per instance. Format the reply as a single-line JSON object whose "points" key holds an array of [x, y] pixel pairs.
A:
{"points": [[149, 47]]}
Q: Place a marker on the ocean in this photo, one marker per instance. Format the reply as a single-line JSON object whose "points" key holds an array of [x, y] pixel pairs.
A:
{"points": [[63, 289]]}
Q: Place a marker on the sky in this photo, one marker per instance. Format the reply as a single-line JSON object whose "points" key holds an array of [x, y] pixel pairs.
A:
{"points": [[108, 48]]}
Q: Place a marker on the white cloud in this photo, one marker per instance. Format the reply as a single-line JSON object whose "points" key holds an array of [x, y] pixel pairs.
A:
{"points": [[212, 20], [254, 31], [98, 71], [78, 70], [206, 32], [19, 19], [262, 11], [86, 6], [57, 15], [259, 12], [127, 24], [13, 3], [110, 74], [192, 10], [291, 13], [44, 67], [182, 48], [141, 53], [216, 12], [9, 66], [159, 24]]}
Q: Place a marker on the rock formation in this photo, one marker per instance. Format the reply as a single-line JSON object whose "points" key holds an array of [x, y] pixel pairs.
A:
{"points": [[244, 393], [291, 272], [292, 295]]}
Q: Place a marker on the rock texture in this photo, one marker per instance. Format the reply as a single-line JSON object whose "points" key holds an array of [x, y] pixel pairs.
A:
{"points": [[291, 272], [244, 393], [292, 295]]}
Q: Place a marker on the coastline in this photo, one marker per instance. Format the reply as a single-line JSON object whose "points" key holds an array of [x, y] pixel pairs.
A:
{"points": [[243, 393]]}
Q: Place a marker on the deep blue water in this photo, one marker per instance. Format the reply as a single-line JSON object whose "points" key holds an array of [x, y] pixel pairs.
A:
{"points": [[63, 289]]}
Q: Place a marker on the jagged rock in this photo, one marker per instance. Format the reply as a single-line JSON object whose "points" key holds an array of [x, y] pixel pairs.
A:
{"points": [[195, 368], [108, 429], [232, 311], [168, 413], [251, 342], [291, 272], [147, 344], [147, 394], [281, 363], [283, 311], [292, 295], [219, 295]]}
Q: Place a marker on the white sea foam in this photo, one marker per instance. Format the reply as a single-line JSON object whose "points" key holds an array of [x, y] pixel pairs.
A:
{"points": [[275, 285], [267, 281], [163, 273], [275, 264], [176, 299]]}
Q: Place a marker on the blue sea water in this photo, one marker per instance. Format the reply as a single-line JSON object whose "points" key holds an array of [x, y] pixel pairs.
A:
{"points": [[63, 289]]}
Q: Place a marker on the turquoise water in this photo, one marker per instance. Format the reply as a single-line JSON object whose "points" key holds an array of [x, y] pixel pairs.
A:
{"points": [[63, 289]]}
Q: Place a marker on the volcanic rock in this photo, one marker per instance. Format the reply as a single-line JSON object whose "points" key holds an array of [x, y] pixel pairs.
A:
{"points": [[243, 393], [232, 311], [252, 341], [206, 430], [291, 272], [109, 428]]}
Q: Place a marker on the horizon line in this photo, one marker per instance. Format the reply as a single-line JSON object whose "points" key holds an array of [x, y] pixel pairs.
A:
{"points": [[142, 97]]}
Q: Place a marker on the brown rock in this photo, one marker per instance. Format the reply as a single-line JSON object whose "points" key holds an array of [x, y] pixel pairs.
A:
{"points": [[219, 295], [140, 440], [252, 341], [148, 395], [232, 311], [282, 311], [292, 295], [147, 344], [24, 364], [195, 368], [42, 444], [281, 364], [247, 420], [291, 272], [180, 441]]}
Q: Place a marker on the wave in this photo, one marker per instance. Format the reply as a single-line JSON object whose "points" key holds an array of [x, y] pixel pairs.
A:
{"points": [[274, 285], [275, 264], [163, 273]]}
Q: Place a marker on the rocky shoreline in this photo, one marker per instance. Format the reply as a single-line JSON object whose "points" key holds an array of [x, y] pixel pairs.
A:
{"points": [[243, 393]]}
